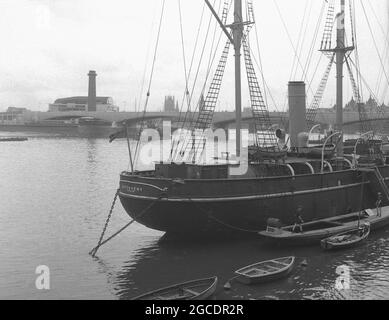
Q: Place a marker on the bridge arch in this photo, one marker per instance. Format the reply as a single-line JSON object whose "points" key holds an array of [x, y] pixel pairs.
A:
{"points": [[135, 120]]}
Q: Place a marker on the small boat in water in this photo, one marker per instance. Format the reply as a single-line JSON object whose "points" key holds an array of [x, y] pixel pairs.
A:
{"points": [[265, 271], [346, 240], [314, 232], [194, 290], [13, 139]]}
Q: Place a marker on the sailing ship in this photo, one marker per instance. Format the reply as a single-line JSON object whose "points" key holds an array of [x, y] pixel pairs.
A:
{"points": [[195, 198]]}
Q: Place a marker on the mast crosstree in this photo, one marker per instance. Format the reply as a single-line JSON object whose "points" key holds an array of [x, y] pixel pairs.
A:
{"points": [[341, 53]]}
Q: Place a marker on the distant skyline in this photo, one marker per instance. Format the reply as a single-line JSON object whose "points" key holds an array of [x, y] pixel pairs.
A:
{"points": [[49, 46]]}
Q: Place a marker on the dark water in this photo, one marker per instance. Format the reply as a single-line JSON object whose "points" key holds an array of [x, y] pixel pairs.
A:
{"points": [[54, 198]]}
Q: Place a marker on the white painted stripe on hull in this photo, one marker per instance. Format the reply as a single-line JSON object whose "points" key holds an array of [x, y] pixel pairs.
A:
{"points": [[147, 185], [244, 198]]}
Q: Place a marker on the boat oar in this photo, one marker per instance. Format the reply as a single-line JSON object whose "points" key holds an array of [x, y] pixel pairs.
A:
{"points": [[227, 286]]}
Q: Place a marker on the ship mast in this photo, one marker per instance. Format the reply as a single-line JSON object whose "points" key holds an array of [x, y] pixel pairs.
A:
{"points": [[237, 37], [340, 56], [340, 52]]}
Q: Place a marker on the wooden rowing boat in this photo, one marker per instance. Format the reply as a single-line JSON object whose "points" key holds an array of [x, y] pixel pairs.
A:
{"points": [[314, 232], [347, 239], [15, 139], [265, 271], [193, 290]]}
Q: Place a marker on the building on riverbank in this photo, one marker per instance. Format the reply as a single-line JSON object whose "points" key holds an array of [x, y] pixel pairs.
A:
{"points": [[103, 104]]}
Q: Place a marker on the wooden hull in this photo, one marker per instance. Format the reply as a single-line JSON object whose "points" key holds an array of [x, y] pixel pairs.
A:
{"points": [[248, 281], [245, 278], [332, 244], [287, 238], [13, 139], [193, 290], [197, 207]]}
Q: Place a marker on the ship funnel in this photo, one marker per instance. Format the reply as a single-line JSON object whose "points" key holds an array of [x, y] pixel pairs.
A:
{"points": [[297, 112], [92, 92]]}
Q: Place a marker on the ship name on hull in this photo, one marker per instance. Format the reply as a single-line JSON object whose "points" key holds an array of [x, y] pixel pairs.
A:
{"points": [[133, 189]]}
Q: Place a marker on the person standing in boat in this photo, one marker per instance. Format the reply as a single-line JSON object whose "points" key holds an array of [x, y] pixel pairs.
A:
{"points": [[298, 220], [378, 204]]}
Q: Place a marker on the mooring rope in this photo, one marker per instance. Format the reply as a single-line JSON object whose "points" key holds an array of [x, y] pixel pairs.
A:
{"points": [[225, 224], [93, 252], [101, 242], [233, 227]]}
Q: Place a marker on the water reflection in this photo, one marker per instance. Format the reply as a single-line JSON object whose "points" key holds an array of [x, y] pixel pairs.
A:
{"points": [[68, 186], [91, 149], [158, 265]]}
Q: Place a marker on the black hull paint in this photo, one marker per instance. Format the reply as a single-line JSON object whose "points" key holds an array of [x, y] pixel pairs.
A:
{"points": [[230, 206]]}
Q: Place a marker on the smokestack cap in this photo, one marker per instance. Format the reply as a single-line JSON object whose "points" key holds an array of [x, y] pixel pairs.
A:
{"points": [[296, 83]]}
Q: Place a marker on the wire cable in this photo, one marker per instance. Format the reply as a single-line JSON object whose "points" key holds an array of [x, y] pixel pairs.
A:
{"points": [[151, 78]]}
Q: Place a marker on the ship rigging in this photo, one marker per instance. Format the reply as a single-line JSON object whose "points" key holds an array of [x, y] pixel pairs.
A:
{"points": [[187, 196]]}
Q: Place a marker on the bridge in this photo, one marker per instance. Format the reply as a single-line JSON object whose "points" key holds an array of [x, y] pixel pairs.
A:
{"points": [[221, 119], [373, 121]]}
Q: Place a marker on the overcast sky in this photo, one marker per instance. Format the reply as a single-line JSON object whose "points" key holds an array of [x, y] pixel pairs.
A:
{"points": [[48, 47]]}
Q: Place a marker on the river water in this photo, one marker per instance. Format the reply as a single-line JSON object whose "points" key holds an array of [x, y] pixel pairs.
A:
{"points": [[55, 194]]}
